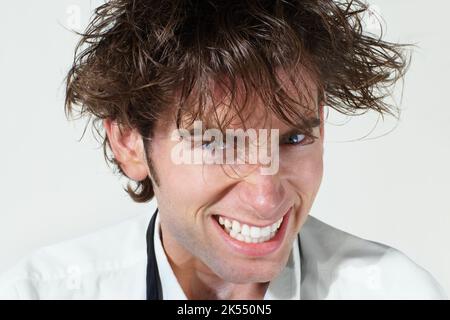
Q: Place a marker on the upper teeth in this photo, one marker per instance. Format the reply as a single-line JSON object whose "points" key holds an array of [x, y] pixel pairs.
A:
{"points": [[249, 234]]}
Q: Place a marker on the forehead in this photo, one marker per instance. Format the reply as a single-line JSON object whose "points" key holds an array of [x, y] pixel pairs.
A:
{"points": [[292, 99]]}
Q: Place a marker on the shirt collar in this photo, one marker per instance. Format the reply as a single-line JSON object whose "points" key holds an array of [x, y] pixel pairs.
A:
{"points": [[286, 286]]}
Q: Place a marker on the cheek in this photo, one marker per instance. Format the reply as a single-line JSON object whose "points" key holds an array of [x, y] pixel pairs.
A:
{"points": [[304, 172], [181, 196], [310, 172]]}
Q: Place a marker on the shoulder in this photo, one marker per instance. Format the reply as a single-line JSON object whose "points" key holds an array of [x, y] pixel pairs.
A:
{"points": [[82, 267], [339, 265]]}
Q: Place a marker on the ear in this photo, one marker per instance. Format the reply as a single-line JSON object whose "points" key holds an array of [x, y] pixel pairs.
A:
{"points": [[128, 149]]}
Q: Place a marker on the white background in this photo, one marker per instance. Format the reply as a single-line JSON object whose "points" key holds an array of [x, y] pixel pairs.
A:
{"points": [[392, 189]]}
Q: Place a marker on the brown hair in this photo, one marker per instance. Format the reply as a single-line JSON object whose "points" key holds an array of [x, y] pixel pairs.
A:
{"points": [[139, 60]]}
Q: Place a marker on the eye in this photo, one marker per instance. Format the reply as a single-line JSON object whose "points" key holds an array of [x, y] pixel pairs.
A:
{"points": [[298, 139], [219, 143], [213, 145]]}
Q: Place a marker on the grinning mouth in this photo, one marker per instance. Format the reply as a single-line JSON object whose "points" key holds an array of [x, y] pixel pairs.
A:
{"points": [[248, 233]]}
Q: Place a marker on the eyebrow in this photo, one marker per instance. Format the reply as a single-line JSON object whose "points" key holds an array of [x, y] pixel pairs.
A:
{"points": [[312, 122]]}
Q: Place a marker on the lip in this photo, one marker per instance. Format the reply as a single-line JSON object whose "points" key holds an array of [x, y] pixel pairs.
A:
{"points": [[255, 249]]}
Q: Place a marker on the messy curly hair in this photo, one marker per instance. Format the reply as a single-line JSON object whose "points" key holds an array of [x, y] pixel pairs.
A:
{"points": [[139, 60]]}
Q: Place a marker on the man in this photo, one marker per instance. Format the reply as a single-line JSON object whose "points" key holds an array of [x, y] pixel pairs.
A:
{"points": [[216, 109]]}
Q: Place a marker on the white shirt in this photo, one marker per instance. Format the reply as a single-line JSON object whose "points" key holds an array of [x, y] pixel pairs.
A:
{"points": [[111, 264]]}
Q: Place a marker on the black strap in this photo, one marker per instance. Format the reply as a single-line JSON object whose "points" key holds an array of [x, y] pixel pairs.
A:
{"points": [[301, 266], [154, 290]]}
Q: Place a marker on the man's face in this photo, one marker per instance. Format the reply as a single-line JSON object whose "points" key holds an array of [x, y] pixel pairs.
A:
{"points": [[194, 201]]}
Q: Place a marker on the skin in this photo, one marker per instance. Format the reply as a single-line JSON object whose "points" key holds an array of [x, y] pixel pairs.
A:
{"points": [[189, 195]]}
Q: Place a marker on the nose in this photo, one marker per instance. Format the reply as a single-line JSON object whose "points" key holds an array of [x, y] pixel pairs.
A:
{"points": [[263, 193]]}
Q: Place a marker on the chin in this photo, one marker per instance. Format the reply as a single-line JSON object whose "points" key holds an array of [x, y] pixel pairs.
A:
{"points": [[250, 272]]}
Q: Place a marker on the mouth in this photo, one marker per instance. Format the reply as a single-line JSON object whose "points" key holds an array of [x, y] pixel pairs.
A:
{"points": [[248, 233], [250, 239]]}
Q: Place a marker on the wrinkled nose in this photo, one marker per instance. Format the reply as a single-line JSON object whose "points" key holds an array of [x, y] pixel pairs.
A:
{"points": [[264, 194]]}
